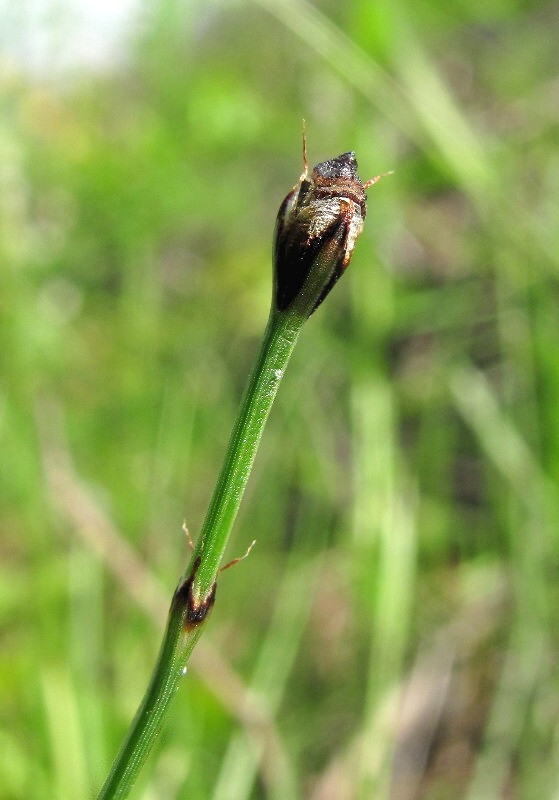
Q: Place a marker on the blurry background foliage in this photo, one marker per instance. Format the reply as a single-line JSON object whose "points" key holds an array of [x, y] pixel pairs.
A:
{"points": [[394, 632]]}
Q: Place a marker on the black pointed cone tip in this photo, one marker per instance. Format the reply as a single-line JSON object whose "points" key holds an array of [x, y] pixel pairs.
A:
{"points": [[344, 166]]}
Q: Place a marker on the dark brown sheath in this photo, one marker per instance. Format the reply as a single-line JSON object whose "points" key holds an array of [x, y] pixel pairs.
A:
{"points": [[321, 217]]}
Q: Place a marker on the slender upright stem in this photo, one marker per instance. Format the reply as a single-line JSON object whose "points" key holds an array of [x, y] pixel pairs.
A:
{"points": [[194, 596], [174, 653], [277, 345], [316, 228]]}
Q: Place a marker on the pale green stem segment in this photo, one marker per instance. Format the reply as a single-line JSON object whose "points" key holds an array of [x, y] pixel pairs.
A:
{"points": [[277, 345], [173, 656], [181, 634], [193, 598]]}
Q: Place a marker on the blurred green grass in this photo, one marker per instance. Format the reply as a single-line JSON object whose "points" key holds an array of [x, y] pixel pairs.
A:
{"points": [[393, 633]]}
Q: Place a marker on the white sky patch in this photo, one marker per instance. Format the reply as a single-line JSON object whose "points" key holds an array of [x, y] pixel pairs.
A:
{"points": [[48, 38]]}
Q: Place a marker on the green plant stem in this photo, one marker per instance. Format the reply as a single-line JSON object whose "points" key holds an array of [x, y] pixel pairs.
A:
{"points": [[198, 582], [171, 662], [277, 345]]}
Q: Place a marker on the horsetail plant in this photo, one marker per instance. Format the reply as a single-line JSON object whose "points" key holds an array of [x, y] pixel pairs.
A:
{"points": [[316, 229]]}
